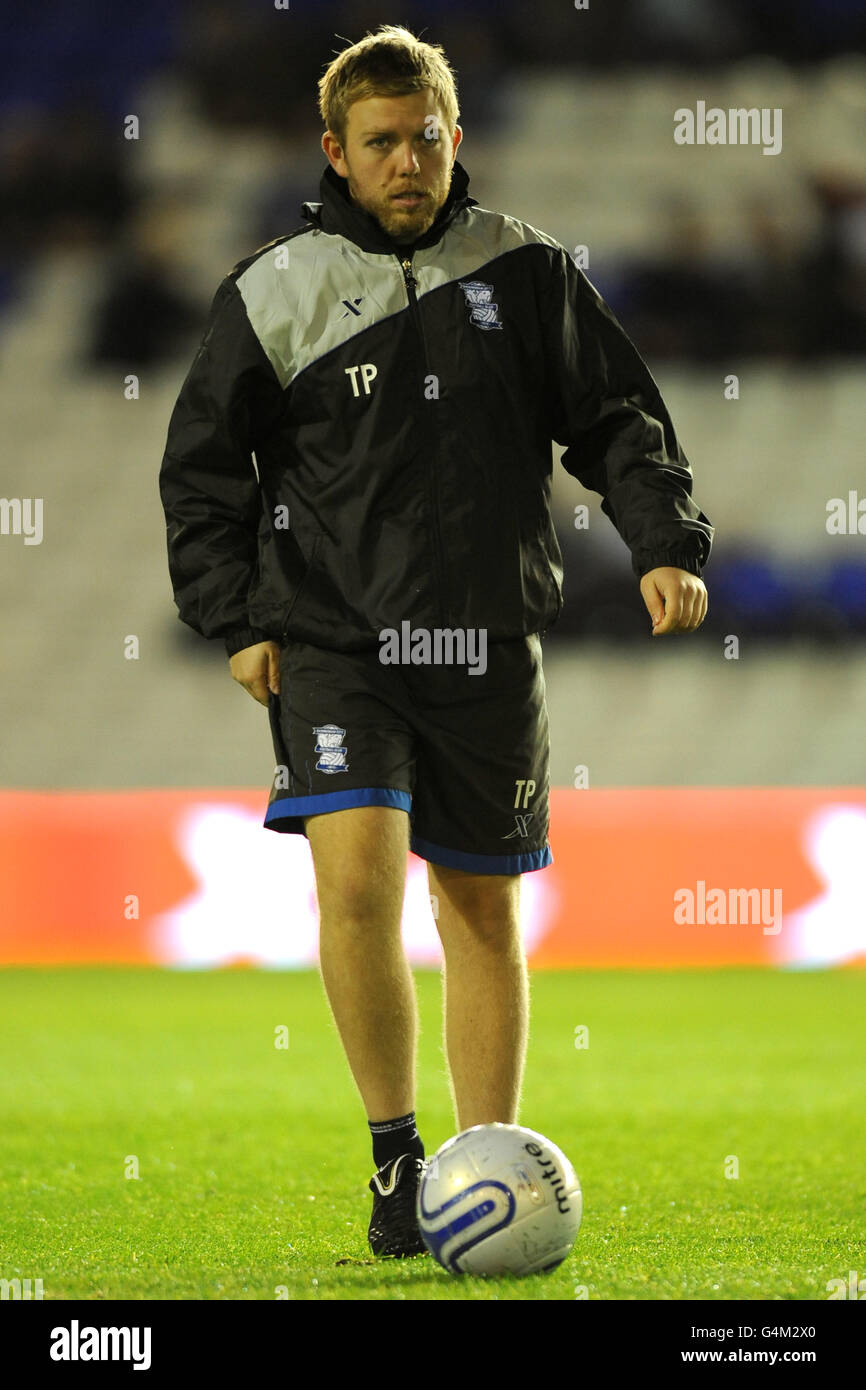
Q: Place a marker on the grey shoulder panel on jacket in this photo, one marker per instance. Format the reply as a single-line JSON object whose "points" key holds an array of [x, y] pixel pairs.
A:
{"points": [[308, 293], [475, 239]]}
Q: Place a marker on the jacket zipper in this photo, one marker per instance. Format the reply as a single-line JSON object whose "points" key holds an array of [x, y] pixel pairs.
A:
{"points": [[411, 286]]}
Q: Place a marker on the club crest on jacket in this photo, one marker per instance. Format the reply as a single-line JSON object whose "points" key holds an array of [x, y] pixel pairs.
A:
{"points": [[479, 298]]}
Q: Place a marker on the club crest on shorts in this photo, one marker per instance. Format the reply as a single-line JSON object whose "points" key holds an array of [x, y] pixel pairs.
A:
{"points": [[479, 298], [331, 749]]}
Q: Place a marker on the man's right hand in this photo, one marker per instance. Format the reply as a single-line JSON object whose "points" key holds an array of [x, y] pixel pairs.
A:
{"points": [[257, 669]]}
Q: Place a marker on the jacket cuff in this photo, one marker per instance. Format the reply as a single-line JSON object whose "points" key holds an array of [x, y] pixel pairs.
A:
{"points": [[677, 559], [244, 637]]}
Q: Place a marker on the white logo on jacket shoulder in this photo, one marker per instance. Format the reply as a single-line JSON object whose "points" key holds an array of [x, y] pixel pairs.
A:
{"points": [[479, 297], [331, 749]]}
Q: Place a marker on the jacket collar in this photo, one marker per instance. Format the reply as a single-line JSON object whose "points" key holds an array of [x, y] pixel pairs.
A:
{"points": [[337, 213]]}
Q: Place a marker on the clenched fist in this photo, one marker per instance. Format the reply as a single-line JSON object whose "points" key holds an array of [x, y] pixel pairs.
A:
{"points": [[676, 600]]}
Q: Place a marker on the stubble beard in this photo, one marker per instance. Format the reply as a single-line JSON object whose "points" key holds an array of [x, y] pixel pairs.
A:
{"points": [[395, 223]]}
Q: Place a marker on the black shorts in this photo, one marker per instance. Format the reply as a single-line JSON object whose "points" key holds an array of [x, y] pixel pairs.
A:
{"points": [[466, 755]]}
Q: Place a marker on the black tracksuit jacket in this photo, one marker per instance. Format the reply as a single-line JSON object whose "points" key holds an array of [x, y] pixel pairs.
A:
{"points": [[364, 436]]}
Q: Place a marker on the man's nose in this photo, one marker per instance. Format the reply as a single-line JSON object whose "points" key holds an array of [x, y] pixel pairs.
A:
{"points": [[407, 159]]}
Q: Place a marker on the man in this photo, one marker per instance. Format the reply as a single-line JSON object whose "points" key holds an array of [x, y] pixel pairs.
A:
{"points": [[399, 366]]}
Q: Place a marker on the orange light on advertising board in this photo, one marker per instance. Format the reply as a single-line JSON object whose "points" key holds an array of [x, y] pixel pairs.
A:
{"points": [[641, 878]]}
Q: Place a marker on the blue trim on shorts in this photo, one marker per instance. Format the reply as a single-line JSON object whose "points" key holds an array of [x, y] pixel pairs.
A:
{"points": [[482, 863], [293, 808]]}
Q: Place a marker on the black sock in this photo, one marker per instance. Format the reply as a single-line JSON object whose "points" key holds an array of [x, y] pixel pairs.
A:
{"points": [[394, 1137]]}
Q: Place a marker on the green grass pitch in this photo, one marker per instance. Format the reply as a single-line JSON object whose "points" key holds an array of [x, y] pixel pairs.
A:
{"points": [[253, 1160]]}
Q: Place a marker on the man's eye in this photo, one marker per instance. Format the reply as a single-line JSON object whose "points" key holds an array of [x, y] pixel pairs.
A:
{"points": [[423, 139]]}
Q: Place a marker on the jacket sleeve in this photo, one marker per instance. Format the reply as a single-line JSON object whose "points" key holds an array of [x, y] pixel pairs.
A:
{"points": [[208, 483], [618, 437]]}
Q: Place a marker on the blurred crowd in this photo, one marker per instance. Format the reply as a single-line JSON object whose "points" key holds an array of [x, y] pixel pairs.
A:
{"points": [[772, 297], [68, 78]]}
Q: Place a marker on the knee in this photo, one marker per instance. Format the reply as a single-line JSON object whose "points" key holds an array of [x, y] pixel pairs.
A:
{"points": [[496, 930], [357, 909], [479, 907]]}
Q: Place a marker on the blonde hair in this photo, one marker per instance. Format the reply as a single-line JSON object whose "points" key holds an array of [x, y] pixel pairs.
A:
{"points": [[389, 62]]}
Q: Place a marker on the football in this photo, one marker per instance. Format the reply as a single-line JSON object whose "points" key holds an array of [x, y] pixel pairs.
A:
{"points": [[499, 1199]]}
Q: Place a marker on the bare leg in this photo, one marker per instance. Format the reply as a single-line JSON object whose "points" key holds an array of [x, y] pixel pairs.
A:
{"points": [[486, 992], [360, 857]]}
